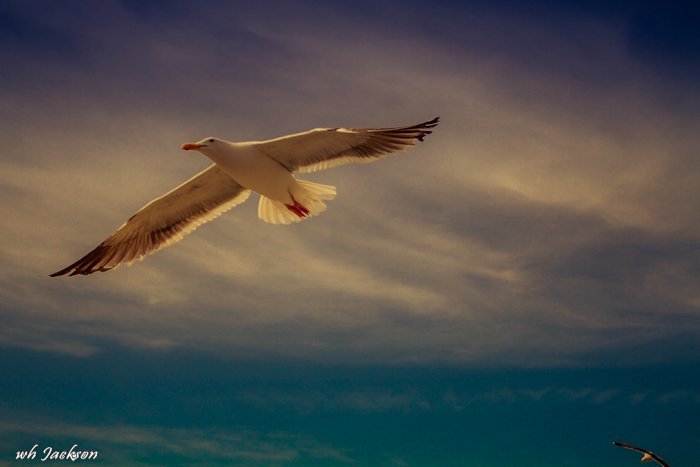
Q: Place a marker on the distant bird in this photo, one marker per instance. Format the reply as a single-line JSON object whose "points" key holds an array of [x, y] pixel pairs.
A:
{"points": [[265, 167], [648, 456]]}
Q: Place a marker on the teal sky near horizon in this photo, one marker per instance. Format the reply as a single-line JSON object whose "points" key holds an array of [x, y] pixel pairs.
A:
{"points": [[183, 408], [519, 289]]}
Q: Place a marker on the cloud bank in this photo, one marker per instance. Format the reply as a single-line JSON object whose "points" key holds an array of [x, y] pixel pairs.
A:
{"points": [[551, 219]]}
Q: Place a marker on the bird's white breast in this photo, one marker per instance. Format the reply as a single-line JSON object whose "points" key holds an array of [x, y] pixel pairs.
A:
{"points": [[252, 169]]}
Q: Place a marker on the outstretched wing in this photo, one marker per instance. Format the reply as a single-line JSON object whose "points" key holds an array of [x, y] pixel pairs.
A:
{"points": [[164, 221], [642, 451], [323, 148], [628, 446]]}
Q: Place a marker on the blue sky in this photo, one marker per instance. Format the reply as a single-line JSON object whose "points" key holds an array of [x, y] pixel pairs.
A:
{"points": [[527, 274]]}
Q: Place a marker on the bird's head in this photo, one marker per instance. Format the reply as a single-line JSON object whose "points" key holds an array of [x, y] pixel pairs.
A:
{"points": [[204, 144]]}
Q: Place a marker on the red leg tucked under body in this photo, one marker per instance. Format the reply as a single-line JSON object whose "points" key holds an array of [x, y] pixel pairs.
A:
{"points": [[297, 208]]}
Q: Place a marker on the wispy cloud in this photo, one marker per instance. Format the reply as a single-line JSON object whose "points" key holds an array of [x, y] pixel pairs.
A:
{"points": [[138, 445], [414, 400], [551, 213]]}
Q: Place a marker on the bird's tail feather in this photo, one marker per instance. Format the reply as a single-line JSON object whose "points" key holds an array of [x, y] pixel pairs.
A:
{"points": [[308, 201]]}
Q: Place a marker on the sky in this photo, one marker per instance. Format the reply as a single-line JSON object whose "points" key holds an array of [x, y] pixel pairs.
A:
{"points": [[527, 275]]}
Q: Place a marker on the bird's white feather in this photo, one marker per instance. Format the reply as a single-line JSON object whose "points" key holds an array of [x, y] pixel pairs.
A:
{"points": [[164, 221], [323, 148]]}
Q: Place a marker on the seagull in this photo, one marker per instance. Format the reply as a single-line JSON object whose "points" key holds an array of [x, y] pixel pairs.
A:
{"points": [[266, 167], [648, 456]]}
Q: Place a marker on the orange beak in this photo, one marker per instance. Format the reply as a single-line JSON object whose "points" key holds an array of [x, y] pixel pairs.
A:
{"points": [[191, 146]]}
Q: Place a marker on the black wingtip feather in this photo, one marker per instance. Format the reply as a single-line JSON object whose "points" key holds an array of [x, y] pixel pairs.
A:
{"points": [[423, 128], [430, 123], [82, 265]]}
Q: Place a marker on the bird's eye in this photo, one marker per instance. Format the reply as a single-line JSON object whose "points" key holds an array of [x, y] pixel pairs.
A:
{"points": [[211, 140]]}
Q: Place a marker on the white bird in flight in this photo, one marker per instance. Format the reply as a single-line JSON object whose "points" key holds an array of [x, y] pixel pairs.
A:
{"points": [[648, 456], [266, 167]]}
